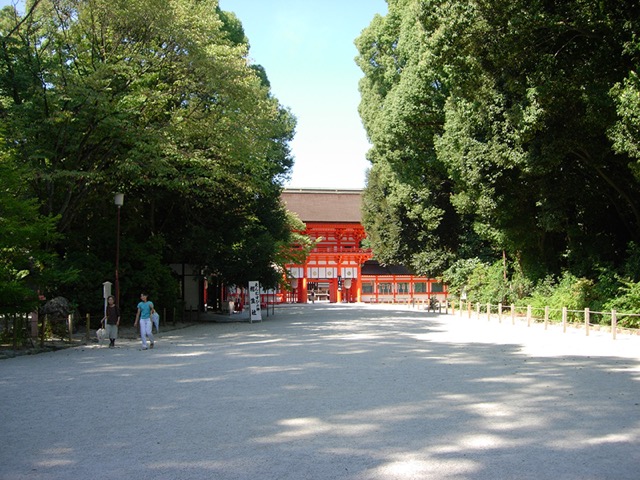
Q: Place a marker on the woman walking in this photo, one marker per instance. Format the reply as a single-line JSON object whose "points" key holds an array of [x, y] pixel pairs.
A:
{"points": [[112, 318], [145, 309]]}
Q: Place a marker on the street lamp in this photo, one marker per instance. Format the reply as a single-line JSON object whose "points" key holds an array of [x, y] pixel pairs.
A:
{"points": [[118, 199]]}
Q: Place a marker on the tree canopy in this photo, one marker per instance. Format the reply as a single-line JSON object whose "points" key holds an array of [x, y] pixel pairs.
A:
{"points": [[157, 100], [502, 126]]}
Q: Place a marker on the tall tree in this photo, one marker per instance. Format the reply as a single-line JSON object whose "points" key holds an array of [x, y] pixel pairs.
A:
{"points": [[526, 133], [516, 117], [402, 108], [26, 267], [156, 99]]}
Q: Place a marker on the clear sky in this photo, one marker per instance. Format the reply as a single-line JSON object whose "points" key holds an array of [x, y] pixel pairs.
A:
{"points": [[307, 50]]}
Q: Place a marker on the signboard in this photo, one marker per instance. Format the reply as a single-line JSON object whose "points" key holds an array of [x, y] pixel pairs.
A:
{"points": [[106, 293], [254, 301]]}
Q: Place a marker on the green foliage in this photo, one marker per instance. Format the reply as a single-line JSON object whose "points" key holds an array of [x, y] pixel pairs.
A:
{"points": [[459, 274], [486, 283], [145, 270], [25, 263], [627, 301], [568, 291], [621, 292], [159, 101], [294, 250], [406, 206], [502, 126]]}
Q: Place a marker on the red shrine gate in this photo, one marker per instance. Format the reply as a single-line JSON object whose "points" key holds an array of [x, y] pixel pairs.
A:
{"points": [[332, 271], [339, 269]]}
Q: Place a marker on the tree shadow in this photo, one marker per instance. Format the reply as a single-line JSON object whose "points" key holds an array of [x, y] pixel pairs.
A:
{"points": [[316, 393]]}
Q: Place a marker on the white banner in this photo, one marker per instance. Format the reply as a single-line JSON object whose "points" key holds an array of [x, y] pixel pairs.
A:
{"points": [[350, 272], [254, 301]]}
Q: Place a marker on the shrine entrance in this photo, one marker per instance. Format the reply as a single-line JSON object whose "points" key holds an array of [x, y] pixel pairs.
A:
{"points": [[322, 294], [330, 290], [333, 271], [319, 291]]}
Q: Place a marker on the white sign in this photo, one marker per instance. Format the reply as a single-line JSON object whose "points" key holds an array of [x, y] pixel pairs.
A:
{"points": [[254, 301], [106, 293]]}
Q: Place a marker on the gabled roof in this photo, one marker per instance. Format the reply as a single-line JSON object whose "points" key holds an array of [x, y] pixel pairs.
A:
{"points": [[320, 205], [372, 267]]}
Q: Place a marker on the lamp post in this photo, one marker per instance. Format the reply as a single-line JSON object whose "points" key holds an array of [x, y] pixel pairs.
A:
{"points": [[118, 199]]}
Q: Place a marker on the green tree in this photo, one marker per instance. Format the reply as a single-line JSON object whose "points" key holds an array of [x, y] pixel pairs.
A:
{"points": [[525, 137], [407, 209], [492, 124], [158, 100], [25, 264]]}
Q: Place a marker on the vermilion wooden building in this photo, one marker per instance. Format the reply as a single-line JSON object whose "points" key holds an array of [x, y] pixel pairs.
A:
{"points": [[339, 269]]}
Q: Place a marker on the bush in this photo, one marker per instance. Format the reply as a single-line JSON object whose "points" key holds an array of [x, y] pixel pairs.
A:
{"points": [[628, 301], [486, 283], [569, 291]]}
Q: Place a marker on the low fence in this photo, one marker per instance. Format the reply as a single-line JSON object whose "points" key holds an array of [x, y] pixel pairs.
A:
{"points": [[546, 315], [31, 330]]}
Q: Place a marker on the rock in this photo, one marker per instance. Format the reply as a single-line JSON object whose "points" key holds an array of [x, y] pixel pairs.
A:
{"points": [[57, 308]]}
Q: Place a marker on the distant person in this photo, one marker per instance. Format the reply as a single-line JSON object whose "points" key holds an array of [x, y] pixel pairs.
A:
{"points": [[111, 320], [145, 309], [432, 304]]}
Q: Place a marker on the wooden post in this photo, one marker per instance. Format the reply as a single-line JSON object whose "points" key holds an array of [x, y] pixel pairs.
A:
{"points": [[488, 312], [34, 324], [460, 308], [546, 317], [469, 310], [87, 332], [564, 319], [614, 323], [43, 330], [513, 314], [478, 310], [587, 316], [15, 332], [29, 327], [528, 315], [500, 312], [70, 326]]}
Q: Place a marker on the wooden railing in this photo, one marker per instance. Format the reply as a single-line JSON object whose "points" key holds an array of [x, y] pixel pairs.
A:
{"points": [[546, 315]]}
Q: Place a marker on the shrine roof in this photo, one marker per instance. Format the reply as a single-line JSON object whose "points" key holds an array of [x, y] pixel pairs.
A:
{"points": [[320, 205], [372, 267]]}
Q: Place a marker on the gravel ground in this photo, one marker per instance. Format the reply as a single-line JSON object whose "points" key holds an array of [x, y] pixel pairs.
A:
{"points": [[329, 392]]}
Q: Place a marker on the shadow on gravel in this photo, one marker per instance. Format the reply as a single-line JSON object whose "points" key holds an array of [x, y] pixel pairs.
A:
{"points": [[318, 392]]}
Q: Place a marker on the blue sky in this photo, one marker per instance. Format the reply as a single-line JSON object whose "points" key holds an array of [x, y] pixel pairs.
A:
{"points": [[307, 49]]}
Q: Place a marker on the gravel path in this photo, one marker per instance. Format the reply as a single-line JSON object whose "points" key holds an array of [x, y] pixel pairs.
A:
{"points": [[329, 392]]}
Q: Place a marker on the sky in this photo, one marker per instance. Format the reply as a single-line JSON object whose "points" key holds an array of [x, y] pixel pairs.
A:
{"points": [[307, 49]]}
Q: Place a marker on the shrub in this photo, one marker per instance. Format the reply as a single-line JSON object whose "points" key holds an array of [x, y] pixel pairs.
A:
{"points": [[569, 291], [628, 301]]}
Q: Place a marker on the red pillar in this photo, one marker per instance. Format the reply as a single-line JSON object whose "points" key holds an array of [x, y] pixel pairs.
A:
{"points": [[302, 290]]}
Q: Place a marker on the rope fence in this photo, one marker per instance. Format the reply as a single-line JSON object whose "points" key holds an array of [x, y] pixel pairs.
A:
{"points": [[30, 330], [547, 316]]}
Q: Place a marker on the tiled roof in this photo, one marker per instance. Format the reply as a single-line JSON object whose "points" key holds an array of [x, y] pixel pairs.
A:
{"points": [[318, 205], [372, 267]]}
